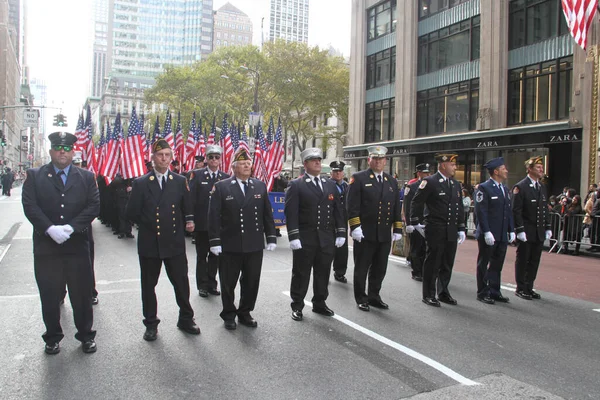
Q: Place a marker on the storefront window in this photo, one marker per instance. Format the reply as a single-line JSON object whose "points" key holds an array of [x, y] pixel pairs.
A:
{"points": [[380, 121], [540, 92], [532, 21], [449, 46], [427, 8], [381, 20], [451, 108]]}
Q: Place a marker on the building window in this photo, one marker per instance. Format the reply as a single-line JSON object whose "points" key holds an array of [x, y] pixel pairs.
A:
{"points": [[540, 92], [532, 21], [451, 108], [427, 8], [381, 68], [449, 46], [381, 19], [380, 121]]}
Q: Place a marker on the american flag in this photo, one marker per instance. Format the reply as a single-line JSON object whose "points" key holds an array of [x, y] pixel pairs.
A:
{"points": [[213, 132], [225, 143], [80, 133], [260, 153], [243, 143], [113, 151], [579, 15], [201, 149], [179, 145], [235, 137], [270, 132], [89, 150], [275, 159], [102, 147], [190, 145], [155, 137], [168, 132], [147, 141], [132, 162]]}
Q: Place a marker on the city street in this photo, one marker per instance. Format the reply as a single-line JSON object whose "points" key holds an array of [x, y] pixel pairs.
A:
{"points": [[542, 349]]}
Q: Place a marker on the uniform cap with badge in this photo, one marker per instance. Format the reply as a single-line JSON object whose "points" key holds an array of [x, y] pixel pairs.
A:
{"points": [[337, 166], [160, 144], [377, 151], [311, 153], [533, 161], [422, 167], [241, 155], [494, 163], [213, 149], [446, 157], [199, 158], [63, 140]]}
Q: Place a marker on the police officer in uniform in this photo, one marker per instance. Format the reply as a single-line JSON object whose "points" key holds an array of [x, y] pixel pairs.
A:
{"points": [[340, 260], [436, 213], [417, 241], [374, 210], [316, 226], [532, 224], [495, 229], [61, 201], [201, 184], [239, 219], [161, 205]]}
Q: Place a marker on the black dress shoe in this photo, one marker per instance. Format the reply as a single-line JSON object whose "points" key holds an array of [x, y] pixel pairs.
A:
{"points": [[52, 348], [89, 346], [129, 235], [297, 315], [378, 304], [523, 295], [447, 299], [534, 295], [486, 299], [340, 278], [417, 278], [324, 310], [363, 307], [189, 327], [501, 299], [247, 320], [94, 300], [121, 236], [431, 301], [230, 325], [214, 292], [202, 292], [150, 334]]}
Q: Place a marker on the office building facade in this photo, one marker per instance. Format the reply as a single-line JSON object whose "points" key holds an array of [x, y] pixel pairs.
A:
{"points": [[232, 27], [480, 78], [288, 20]]}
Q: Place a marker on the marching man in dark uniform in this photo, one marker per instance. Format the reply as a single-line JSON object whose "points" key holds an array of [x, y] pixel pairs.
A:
{"points": [[316, 226], [161, 205], [201, 184], [122, 193], [443, 226], [239, 219], [532, 224], [417, 241], [61, 201], [340, 260], [374, 210], [7, 181], [495, 229]]}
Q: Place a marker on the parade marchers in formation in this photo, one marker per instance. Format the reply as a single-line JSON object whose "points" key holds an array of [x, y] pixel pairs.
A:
{"points": [[232, 220]]}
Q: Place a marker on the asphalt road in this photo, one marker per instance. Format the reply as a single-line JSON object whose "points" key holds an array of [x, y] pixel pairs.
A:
{"points": [[546, 349]]}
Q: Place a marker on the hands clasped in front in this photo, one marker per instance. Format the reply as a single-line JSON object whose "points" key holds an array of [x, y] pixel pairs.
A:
{"points": [[60, 233]]}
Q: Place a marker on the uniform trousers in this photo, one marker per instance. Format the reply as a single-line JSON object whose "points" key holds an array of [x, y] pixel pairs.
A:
{"points": [[490, 261], [124, 223], [231, 266], [439, 261], [177, 271], [417, 253], [51, 273], [207, 263], [315, 258], [340, 259], [527, 263], [370, 260]]}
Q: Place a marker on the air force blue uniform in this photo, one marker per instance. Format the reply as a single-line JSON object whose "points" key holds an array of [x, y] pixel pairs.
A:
{"points": [[494, 214]]}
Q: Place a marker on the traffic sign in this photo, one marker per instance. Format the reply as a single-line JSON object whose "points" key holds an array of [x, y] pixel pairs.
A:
{"points": [[30, 118]]}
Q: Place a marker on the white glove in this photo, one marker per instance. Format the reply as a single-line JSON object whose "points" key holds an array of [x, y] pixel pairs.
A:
{"points": [[357, 234], [396, 236], [216, 250], [271, 246], [461, 237], [522, 237], [489, 238], [421, 229], [512, 237], [58, 234], [410, 229], [339, 242], [295, 244], [548, 235], [68, 229]]}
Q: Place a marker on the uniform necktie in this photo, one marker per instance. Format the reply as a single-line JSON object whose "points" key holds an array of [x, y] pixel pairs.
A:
{"points": [[317, 184], [163, 183], [245, 183], [379, 178], [537, 187], [60, 175]]}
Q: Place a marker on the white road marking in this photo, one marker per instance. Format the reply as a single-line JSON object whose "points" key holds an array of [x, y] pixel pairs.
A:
{"points": [[596, 309], [403, 349], [4, 252]]}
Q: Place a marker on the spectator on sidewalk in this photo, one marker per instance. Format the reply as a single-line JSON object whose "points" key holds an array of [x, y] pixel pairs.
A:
{"points": [[595, 228], [572, 226], [467, 202]]}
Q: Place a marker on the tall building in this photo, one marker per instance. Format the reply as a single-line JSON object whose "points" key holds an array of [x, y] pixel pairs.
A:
{"points": [[480, 78], [289, 20], [232, 27], [37, 147], [140, 39]]}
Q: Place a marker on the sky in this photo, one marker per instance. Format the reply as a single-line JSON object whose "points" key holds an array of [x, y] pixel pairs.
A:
{"points": [[59, 37]]}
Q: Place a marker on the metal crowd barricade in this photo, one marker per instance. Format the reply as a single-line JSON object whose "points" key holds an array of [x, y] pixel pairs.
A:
{"points": [[556, 226], [593, 233]]}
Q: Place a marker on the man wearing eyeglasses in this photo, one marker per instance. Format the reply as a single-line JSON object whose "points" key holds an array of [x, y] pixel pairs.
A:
{"points": [[201, 183], [61, 201]]}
